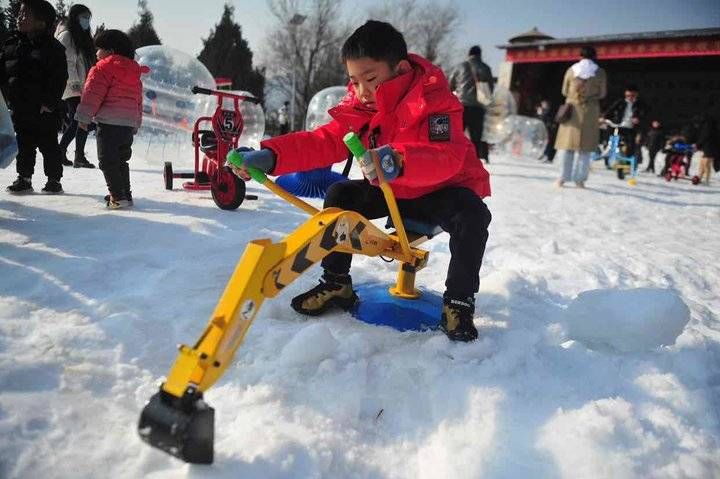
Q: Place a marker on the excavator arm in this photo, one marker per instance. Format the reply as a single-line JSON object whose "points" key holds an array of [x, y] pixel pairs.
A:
{"points": [[176, 419]]}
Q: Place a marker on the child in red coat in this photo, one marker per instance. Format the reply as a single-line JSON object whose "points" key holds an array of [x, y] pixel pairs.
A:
{"points": [[401, 101], [112, 98]]}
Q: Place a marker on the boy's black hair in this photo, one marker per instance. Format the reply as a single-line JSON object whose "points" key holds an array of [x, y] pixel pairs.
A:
{"points": [[475, 50], [43, 11], [631, 87], [377, 40], [588, 52], [116, 41]]}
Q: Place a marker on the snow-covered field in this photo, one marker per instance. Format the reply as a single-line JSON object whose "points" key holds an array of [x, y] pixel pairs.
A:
{"points": [[599, 355]]}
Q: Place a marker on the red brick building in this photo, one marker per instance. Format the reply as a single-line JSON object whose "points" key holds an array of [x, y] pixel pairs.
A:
{"points": [[678, 72]]}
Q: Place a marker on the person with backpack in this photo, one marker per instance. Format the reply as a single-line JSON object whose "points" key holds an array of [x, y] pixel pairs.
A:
{"points": [[472, 83]]}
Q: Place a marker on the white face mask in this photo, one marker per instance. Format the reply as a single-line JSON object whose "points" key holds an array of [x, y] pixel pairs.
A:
{"points": [[84, 22]]}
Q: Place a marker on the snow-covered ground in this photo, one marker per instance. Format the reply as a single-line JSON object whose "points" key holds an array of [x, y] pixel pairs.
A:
{"points": [[598, 313]]}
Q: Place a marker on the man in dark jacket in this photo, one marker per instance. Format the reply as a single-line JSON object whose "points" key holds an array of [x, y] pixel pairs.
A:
{"points": [[543, 112], [463, 82], [33, 73], [655, 141], [630, 113]]}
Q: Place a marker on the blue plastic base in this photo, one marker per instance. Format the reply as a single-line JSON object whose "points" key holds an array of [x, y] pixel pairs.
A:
{"points": [[378, 306], [310, 184]]}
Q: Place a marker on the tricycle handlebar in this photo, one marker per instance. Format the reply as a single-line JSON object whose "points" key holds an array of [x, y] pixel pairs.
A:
{"points": [[222, 94]]}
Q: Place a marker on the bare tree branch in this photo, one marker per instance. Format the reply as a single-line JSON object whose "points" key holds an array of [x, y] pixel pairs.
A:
{"points": [[428, 27], [310, 50]]}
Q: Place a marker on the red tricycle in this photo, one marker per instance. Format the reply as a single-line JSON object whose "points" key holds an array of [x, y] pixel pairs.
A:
{"points": [[228, 191], [677, 163]]}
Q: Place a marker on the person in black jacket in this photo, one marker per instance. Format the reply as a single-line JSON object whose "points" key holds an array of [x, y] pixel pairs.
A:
{"points": [[33, 73], [629, 112], [544, 113], [708, 142], [654, 140]]}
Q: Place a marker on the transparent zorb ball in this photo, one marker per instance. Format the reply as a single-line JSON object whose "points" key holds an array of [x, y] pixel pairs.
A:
{"points": [[253, 119], [497, 127], [8, 142], [321, 102], [528, 138], [169, 107]]}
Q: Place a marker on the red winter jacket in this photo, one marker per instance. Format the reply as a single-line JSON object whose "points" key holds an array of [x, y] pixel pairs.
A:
{"points": [[113, 93], [417, 115]]}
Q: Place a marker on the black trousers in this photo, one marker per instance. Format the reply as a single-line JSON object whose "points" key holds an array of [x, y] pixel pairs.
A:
{"points": [[473, 123], [114, 147], [628, 136], [72, 132], [653, 152], [458, 211], [38, 135]]}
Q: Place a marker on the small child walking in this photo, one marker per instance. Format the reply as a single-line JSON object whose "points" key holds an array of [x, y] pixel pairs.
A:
{"points": [[112, 99]]}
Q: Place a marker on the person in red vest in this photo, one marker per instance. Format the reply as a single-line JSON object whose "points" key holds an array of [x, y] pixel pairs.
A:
{"points": [[401, 104]]}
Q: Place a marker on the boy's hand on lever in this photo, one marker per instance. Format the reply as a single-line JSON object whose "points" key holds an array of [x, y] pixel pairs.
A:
{"points": [[389, 160], [243, 158]]}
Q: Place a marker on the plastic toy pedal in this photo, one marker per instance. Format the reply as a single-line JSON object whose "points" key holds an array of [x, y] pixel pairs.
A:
{"points": [[378, 307]]}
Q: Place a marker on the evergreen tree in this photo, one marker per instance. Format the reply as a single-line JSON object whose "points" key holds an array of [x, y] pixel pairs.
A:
{"points": [[8, 18], [3, 25], [99, 29], [61, 10], [226, 54], [12, 11], [143, 33]]}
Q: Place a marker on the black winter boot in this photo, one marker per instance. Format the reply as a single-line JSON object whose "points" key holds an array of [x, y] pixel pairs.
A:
{"points": [[20, 186], [457, 319], [52, 187], [334, 290], [82, 162]]}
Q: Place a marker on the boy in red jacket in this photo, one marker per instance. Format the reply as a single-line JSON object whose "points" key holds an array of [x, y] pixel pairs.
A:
{"points": [[112, 98], [401, 101]]}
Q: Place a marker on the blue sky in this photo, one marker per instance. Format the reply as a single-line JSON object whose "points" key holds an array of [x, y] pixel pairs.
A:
{"points": [[182, 23]]}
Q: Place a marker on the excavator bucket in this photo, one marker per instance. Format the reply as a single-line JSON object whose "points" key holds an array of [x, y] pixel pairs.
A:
{"points": [[183, 427]]}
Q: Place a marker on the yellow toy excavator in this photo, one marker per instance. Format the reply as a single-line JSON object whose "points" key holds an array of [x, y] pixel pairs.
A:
{"points": [[176, 419]]}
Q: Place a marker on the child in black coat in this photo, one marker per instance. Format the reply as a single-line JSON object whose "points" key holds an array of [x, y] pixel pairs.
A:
{"points": [[33, 73]]}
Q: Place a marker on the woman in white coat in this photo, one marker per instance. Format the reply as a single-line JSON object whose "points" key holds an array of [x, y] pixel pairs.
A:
{"points": [[75, 36]]}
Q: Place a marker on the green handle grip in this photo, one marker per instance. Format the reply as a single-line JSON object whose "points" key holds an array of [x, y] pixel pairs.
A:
{"points": [[352, 141], [236, 159]]}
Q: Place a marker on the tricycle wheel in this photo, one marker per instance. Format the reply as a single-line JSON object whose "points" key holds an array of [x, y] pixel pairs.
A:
{"points": [[168, 175], [695, 180], [228, 191], [621, 173]]}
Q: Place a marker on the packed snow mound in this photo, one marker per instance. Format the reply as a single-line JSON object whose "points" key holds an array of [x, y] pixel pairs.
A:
{"points": [[611, 438], [627, 320], [311, 344]]}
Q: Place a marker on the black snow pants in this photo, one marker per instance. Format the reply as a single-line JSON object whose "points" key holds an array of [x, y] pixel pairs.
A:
{"points": [[114, 148], [38, 135], [458, 211]]}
